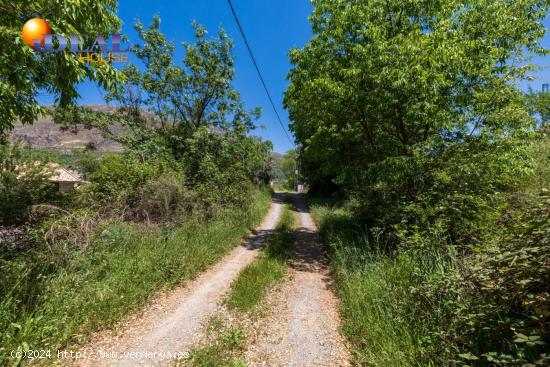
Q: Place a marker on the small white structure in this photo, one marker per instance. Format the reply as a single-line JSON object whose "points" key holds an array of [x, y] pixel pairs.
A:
{"points": [[65, 179]]}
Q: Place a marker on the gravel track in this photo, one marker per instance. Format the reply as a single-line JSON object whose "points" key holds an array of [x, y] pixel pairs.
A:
{"points": [[303, 326]]}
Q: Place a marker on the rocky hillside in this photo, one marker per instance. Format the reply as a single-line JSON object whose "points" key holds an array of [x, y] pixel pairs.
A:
{"points": [[45, 134]]}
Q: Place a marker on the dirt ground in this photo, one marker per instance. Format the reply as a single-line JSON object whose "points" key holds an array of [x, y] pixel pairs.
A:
{"points": [[303, 325]]}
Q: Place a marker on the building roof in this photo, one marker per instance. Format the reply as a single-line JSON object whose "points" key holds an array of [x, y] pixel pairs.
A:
{"points": [[61, 174], [56, 172]]}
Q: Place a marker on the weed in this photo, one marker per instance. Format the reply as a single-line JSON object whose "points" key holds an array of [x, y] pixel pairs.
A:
{"points": [[224, 349], [269, 268]]}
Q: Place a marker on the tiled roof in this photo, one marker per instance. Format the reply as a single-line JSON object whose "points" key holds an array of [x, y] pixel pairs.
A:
{"points": [[65, 175], [57, 172]]}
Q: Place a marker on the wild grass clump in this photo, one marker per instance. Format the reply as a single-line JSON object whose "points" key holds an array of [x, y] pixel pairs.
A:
{"points": [[373, 289], [225, 347], [269, 268]]}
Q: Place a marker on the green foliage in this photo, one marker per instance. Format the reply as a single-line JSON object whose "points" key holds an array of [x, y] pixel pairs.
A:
{"points": [[289, 167], [276, 163], [48, 303], [120, 177], [167, 199], [539, 106], [189, 170], [22, 183], [431, 304], [220, 167], [270, 268], [415, 86], [23, 74], [187, 116], [162, 106], [491, 307]]}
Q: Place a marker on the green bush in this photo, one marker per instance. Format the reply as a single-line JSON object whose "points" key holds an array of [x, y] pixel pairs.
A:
{"points": [[220, 166], [120, 176], [22, 183], [435, 303], [167, 199], [505, 289]]}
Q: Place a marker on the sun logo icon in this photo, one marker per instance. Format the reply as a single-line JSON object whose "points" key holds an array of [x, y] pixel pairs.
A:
{"points": [[34, 30]]}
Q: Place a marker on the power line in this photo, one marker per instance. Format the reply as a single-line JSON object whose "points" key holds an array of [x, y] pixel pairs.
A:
{"points": [[258, 69]]}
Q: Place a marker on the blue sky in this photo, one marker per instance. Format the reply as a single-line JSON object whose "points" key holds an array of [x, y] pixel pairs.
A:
{"points": [[272, 28]]}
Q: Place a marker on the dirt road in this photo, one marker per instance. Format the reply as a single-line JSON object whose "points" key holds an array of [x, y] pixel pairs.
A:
{"points": [[170, 322], [303, 326]]}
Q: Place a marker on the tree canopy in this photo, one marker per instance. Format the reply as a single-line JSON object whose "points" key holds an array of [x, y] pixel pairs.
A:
{"points": [[165, 102], [186, 111], [23, 73], [538, 104], [389, 98]]}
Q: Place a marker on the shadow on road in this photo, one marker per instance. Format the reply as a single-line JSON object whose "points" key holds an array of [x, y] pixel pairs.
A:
{"points": [[310, 256], [259, 238]]}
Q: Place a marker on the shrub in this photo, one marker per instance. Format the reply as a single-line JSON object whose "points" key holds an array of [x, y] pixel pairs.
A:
{"points": [[118, 172], [506, 290], [22, 184], [431, 303], [119, 179], [166, 198], [219, 167]]}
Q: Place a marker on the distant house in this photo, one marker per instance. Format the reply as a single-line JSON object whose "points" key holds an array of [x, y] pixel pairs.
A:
{"points": [[65, 179]]}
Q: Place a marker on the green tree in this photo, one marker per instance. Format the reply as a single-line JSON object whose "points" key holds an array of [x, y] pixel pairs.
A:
{"points": [[23, 74], [289, 168], [179, 99], [538, 104], [189, 112], [395, 100]]}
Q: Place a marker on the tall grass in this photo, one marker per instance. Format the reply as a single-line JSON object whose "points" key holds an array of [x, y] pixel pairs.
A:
{"points": [[269, 268], [374, 289], [48, 303]]}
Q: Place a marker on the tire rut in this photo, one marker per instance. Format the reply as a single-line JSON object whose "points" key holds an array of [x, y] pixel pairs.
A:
{"points": [[303, 328]]}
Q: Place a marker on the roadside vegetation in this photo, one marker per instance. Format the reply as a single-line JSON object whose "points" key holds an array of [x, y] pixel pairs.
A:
{"points": [[59, 295], [268, 269], [189, 185], [423, 305], [434, 170]]}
